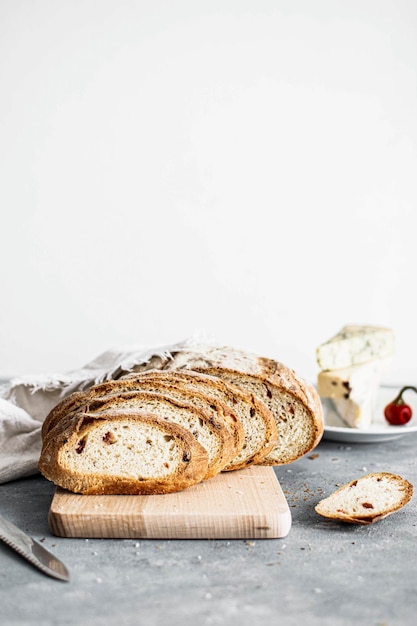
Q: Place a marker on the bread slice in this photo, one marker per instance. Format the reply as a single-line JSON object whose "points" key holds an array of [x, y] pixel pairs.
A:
{"points": [[210, 432], [367, 499], [218, 410], [115, 453], [242, 412], [256, 422], [294, 403]]}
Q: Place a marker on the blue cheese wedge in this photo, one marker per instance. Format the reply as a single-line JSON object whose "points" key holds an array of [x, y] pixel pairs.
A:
{"points": [[354, 345], [354, 390]]}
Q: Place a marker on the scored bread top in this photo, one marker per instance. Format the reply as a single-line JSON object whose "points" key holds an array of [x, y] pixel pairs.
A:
{"points": [[115, 453], [294, 402], [208, 357]]}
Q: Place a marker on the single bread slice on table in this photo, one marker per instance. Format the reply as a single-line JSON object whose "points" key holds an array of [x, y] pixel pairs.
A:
{"points": [[257, 429], [210, 432], [367, 499], [115, 453], [294, 403]]}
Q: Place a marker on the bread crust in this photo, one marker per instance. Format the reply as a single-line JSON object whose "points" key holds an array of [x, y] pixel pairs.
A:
{"points": [[67, 405], [224, 411], [269, 376], [285, 408], [191, 469], [330, 507]]}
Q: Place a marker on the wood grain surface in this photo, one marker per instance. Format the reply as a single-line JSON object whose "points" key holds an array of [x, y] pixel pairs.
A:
{"points": [[245, 504]]}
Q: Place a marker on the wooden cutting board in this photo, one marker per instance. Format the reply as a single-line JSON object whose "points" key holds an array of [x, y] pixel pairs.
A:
{"points": [[245, 504]]}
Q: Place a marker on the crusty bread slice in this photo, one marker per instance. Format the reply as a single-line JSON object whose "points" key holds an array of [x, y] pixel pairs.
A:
{"points": [[162, 384], [293, 402], [256, 421], [210, 432], [116, 453], [220, 411], [367, 499], [246, 415]]}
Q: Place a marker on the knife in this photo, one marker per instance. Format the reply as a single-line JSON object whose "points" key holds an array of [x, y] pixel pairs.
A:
{"points": [[32, 550]]}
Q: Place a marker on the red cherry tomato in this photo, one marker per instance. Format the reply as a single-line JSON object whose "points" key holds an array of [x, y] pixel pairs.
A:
{"points": [[398, 414]]}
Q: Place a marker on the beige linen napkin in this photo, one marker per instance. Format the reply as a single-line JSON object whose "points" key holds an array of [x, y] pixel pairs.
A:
{"points": [[26, 401]]}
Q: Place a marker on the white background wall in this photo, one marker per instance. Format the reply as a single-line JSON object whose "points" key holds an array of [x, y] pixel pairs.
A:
{"points": [[246, 168]]}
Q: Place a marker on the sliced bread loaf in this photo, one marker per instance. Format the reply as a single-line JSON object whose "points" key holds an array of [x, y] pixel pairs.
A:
{"points": [[293, 402], [219, 410], [256, 421], [243, 413], [211, 433], [115, 453], [367, 499]]}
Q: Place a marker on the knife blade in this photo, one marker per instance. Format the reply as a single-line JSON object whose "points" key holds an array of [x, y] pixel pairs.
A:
{"points": [[32, 550]]}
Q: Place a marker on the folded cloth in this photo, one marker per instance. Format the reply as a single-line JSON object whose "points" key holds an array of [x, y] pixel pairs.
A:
{"points": [[25, 402]]}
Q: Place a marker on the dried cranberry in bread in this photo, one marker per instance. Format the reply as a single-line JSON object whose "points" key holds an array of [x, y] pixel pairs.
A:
{"points": [[115, 453], [367, 499], [293, 402]]}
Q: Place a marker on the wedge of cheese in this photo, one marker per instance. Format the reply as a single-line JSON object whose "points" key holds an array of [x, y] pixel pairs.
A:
{"points": [[352, 381], [354, 390], [354, 345], [357, 413]]}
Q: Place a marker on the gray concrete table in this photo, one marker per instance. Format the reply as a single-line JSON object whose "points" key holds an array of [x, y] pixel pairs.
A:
{"points": [[322, 573]]}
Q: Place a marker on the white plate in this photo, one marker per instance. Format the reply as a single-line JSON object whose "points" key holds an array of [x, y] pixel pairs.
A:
{"points": [[336, 430]]}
